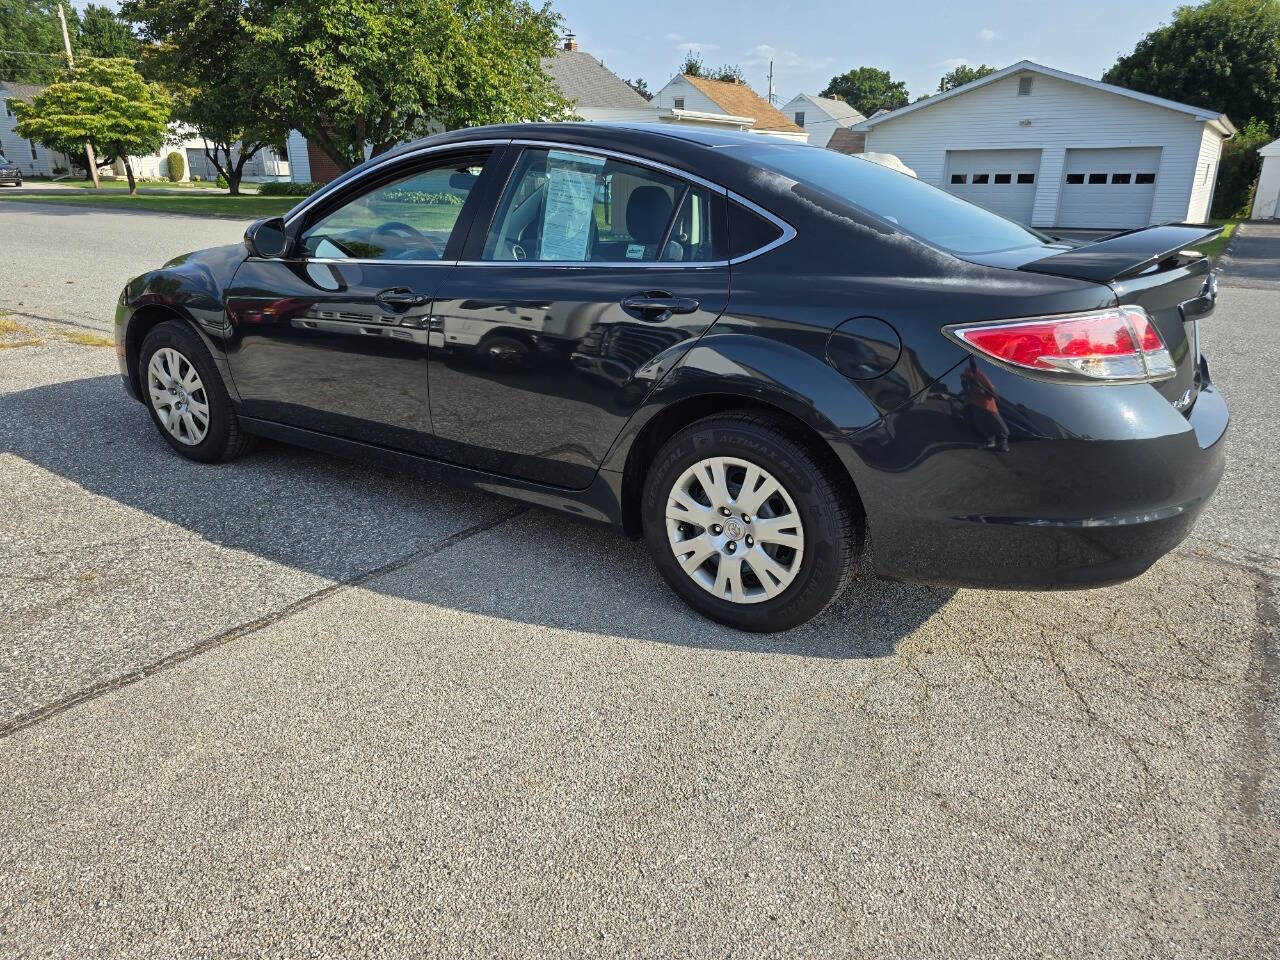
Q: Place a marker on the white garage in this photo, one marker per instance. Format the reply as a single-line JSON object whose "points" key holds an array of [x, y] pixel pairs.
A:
{"points": [[1113, 187], [1266, 199], [1003, 181], [1054, 149]]}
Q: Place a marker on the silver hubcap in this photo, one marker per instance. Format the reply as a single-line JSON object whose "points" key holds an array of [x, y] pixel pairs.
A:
{"points": [[177, 396], [735, 530]]}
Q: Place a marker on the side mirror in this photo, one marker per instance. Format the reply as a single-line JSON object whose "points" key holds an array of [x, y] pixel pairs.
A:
{"points": [[267, 238]]}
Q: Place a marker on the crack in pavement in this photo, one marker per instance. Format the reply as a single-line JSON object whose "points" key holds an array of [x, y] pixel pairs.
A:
{"points": [[96, 690]]}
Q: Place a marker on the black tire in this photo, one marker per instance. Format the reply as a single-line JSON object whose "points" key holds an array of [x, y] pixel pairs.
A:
{"points": [[223, 439], [830, 518]]}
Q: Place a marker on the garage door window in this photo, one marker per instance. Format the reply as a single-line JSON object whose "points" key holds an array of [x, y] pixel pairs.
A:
{"points": [[1145, 178], [1075, 178], [1097, 178], [959, 178], [1026, 178], [1120, 177], [981, 178], [1004, 178]]}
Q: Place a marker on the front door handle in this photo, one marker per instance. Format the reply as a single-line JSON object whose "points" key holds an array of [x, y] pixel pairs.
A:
{"points": [[657, 306], [401, 298]]}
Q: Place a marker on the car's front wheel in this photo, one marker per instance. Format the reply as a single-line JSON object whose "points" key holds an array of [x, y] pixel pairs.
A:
{"points": [[186, 397], [748, 526]]}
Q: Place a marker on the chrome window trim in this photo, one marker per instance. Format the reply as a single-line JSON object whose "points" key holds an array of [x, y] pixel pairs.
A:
{"points": [[788, 231], [319, 195]]}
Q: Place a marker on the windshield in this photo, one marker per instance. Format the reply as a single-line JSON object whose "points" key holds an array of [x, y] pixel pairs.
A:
{"points": [[933, 215]]}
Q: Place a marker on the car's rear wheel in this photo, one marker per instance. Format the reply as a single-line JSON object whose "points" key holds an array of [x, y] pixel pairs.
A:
{"points": [[186, 397], [748, 526]]}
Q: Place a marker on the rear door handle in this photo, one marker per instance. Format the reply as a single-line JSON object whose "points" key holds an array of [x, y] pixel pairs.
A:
{"points": [[657, 306], [400, 298]]}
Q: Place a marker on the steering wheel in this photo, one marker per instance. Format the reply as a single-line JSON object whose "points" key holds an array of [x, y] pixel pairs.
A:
{"points": [[400, 229], [407, 231]]}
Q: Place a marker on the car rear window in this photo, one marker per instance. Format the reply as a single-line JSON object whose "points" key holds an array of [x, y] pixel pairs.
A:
{"points": [[933, 215]]}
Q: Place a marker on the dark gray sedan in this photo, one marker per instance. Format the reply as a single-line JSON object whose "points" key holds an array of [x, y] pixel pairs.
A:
{"points": [[9, 173]]}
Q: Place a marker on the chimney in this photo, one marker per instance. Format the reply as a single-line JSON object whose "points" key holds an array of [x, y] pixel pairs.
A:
{"points": [[570, 42]]}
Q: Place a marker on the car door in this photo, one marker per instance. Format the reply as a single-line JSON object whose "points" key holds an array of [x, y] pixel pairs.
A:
{"points": [[594, 272], [334, 338]]}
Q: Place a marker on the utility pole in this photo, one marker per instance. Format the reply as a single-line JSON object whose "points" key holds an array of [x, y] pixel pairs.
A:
{"points": [[88, 145], [772, 98]]}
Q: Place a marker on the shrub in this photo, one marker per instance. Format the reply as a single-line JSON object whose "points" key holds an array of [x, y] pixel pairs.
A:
{"points": [[222, 181], [287, 188], [1238, 170], [176, 165]]}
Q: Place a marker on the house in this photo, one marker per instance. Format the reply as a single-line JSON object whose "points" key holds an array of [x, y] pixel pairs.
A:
{"points": [[1267, 194], [32, 158], [596, 92], [1052, 149], [829, 121], [723, 103]]}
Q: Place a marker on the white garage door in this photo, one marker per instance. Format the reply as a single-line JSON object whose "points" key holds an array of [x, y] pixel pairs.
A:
{"points": [[1003, 181], [1109, 188]]}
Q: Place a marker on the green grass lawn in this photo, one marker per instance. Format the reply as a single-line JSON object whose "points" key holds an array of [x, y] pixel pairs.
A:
{"points": [[199, 204], [1214, 247], [123, 184]]}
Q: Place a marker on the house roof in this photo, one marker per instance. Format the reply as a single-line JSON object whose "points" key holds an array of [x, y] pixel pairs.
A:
{"points": [[839, 111], [1272, 149], [1218, 120], [844, 140], [21, 91], [589, 83], [740, 100]]}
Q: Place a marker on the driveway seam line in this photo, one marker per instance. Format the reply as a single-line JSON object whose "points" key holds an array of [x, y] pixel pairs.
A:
{"points": [[179, 657]]}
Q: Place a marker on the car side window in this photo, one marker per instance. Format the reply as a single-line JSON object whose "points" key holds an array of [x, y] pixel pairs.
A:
{"points": [[408, 219], [569, 207]]}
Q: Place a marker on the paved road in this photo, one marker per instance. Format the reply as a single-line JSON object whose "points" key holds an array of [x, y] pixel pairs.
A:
{"points": [[70, 264], [1252, 257], [361, 715]]}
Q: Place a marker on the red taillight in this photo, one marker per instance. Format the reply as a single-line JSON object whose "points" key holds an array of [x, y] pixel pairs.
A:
{"points": [[1119, 343]]}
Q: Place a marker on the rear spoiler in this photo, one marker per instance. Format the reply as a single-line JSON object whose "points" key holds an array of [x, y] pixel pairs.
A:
{"points": [[1125, 254]]}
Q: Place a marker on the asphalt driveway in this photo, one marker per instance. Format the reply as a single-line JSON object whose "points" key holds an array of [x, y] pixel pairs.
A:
{"points": [[295, 706]]}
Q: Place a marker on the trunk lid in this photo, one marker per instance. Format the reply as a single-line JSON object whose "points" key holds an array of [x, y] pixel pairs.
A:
{"points": [[1152, 268]]}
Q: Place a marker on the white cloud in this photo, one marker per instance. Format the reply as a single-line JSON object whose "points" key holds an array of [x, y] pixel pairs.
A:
{"points": [[785, 60], [696, 46], [952, 62], [987, 34]]}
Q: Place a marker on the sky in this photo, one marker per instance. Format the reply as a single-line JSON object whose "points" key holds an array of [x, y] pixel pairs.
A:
{"points": [[810, 42]]}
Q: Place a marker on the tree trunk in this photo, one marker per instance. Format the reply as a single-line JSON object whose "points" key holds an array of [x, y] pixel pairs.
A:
{"points": [[233, 181], [128, 172]]}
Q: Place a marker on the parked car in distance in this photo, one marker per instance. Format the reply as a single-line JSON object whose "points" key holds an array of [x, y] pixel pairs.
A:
{"points": [[764, 358], [10, 174]]}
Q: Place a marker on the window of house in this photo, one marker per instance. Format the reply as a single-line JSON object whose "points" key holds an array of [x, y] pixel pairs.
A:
{"points": [[569, 207], [1004, 178], [407, 219], [981, 178], [1026, 178], [679, 103], [1075, 178], [1144, 178], [1097, 178], [1024, 86], [799, 118], [959, 178], [1121, 177]]}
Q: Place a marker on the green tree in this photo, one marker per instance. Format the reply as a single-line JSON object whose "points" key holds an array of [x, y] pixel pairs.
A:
{"points": [[868, 89], [105, 102], [357, 73], [102, 33], [640, 87], [963, 74], [30, 41], [1223, 55], [203, 50], [1238, 170], [693, 66]]}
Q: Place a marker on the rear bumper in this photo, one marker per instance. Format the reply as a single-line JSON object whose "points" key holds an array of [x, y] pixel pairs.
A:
{"points": [[1091, 497]]}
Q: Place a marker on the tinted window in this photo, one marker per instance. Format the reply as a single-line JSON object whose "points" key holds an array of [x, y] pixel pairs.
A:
{"points": [[1004, 178], [1075, 178], [1120, 178], [564, 206], [1097, 178], [959, 178], [749, 231], [981, 177], [1026, 178], [408, 219], [1145, 178], [933, 215]]}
